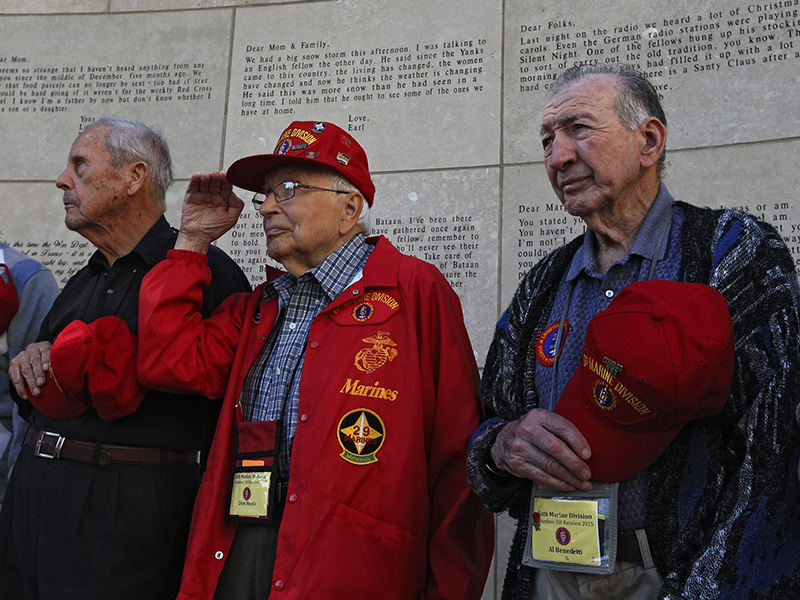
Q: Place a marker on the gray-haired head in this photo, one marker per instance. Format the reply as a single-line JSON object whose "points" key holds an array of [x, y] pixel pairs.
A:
{"points": [[636, 101], [130, 141]]}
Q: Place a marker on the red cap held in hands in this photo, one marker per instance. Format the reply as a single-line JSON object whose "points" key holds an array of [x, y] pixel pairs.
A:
{"points": [[660, 355], [308, 143], [9, 302], [91, 365]]}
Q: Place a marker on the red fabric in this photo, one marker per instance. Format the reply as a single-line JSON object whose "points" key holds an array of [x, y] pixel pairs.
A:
{"points": [[257, 437], [405, 526], [9, 302], [64, 394], [113, 388], [658, 357], [91, 365]]}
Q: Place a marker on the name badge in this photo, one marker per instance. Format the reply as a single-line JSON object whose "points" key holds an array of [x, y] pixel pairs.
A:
{"points": [[574, 531], [250, 494], [566, 531], [253, 481]]}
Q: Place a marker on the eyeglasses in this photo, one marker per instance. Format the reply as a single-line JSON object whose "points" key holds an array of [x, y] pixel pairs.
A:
{"points": [[286, 190]]}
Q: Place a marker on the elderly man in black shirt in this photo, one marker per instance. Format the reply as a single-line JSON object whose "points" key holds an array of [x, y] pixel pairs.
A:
{"points": [[98, 507]]}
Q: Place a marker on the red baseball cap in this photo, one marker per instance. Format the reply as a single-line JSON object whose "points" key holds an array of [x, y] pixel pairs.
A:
{"points": [[9, 302], [65, 394], [308, 143], [660, 355], [91, 364]]}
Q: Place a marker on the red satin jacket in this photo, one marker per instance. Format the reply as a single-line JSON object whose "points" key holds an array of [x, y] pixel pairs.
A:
{"points": [[392, 519]]}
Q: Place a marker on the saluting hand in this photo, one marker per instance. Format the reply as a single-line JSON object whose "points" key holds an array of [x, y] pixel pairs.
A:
{"points": [[210, 208]]}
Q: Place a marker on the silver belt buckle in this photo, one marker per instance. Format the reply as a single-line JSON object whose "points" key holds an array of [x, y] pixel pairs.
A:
{"points": [[60, 439]]}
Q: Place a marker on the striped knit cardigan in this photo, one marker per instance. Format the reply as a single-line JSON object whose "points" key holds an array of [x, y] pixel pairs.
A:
{"points": [[723, 499]]}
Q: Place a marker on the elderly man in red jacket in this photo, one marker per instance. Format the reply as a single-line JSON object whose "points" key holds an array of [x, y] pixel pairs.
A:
{"points": [[337, 468]]}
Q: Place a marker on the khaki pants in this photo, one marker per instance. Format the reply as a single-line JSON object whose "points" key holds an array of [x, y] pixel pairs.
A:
{"points": [[629, 581]]}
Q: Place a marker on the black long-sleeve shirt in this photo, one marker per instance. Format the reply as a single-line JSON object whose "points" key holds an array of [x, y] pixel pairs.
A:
{"points": [[164, 420]]}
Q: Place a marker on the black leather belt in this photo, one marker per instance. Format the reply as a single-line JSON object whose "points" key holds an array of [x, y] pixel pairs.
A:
{"points": [[628, 547], [55, 446]]}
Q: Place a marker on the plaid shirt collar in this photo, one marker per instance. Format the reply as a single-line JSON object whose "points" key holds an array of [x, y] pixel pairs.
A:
{"points": [[339, 269]]}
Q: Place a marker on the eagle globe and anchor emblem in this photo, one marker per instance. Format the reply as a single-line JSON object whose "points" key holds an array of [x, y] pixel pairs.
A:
{"points": [[382, 350]]}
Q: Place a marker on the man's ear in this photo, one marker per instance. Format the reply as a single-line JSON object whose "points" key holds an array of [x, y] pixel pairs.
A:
{"points": [[351, 210], [654, 134], [139, 172]]}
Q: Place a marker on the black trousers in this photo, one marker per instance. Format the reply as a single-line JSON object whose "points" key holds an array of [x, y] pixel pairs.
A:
{"points": [[70, 530], [247, 574]]}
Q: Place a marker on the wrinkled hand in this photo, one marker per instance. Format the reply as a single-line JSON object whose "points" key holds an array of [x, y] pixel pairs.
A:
{"points": [[210, 208], [546, 448], [28, 369]]}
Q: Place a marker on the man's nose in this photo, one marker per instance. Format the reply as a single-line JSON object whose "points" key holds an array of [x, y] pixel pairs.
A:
{"points": [[562, 152], [269, 206], [64, 182]]}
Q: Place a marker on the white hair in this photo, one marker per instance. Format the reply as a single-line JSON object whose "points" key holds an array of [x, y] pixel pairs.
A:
{"points": [[340, 182]]}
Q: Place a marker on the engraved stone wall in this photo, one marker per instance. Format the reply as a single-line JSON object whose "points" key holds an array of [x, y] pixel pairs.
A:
{"points": [[445, 97]]}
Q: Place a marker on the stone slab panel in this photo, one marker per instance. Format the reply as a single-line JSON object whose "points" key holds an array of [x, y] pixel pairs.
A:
{"points": [[534, 224], [504, 536], [417, 82], [11, 7], [57, 74], [760, 178], [142, 5], [448, 218], [726, 69], [489, 589]]}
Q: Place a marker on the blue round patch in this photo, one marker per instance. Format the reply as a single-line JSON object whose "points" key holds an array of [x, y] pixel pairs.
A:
{"points": [[562, 536], [603, 396], [363, 311], [546, 344], [283, 147], [550, 344]]}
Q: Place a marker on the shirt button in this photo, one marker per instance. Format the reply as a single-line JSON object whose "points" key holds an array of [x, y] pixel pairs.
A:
{"points": [[292, 325], [218, 555], [609, 293], [292, 498], [314, 344], [279, 585], [109, 291], [263, 337], [355, 292], [277, 370], [303, 418]]}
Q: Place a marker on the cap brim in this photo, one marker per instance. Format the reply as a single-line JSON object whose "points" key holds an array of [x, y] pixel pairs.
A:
{"points": [[248, 173], [618, 454]]}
